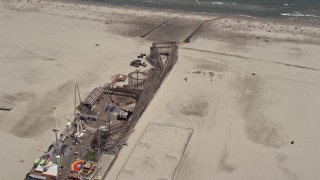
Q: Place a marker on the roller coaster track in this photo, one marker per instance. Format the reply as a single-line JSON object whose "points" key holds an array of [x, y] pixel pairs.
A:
{"points": [[153, 82]]}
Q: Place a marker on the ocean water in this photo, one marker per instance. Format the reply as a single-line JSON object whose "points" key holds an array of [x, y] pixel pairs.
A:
{"points": [[258, 8]]}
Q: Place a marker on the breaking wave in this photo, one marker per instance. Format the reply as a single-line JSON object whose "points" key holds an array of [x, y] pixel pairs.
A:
{"points": [[298, 14], [218, 3]]}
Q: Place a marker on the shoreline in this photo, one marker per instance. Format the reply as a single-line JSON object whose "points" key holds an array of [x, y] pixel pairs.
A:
{"points": [[290, 20], [139, 20]]}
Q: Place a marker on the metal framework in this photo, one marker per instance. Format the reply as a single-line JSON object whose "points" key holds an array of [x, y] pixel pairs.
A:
{"points": [[94, 96], [142, 86], [136, 80]]}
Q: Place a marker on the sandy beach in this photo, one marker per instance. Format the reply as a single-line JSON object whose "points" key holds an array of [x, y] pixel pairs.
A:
{"points": [[246, 87]]}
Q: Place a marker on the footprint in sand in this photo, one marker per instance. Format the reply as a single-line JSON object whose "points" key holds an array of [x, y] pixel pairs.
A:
{"points": [[173, 157], [130, 171]]}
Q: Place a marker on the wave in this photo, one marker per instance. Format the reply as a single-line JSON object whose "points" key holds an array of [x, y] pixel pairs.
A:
{"points": [[218, 3], [247, 16], [255, 8], [310, 15], [298, 14], [221, 3], [214, 2]]}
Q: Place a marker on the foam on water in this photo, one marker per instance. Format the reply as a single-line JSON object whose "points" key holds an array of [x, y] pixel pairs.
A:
{"points": [[218, 3], [298, 14], [255, 8]]}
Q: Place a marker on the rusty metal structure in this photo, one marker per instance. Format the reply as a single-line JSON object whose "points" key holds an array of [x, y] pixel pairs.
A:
{"points": [[136, 80], [94, 96], [142, 86]]}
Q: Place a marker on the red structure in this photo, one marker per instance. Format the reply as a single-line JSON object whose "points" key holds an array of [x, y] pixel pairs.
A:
{"points": [[77, 166], [97, 92], [94, 96], [118, 78]]}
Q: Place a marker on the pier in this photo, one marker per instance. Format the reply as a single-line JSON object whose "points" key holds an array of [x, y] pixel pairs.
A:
{"points": [[104, 121]]}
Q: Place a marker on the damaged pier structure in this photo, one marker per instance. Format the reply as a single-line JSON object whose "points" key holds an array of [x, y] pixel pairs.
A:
{"points": [[132, 99], [102, 123]]}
